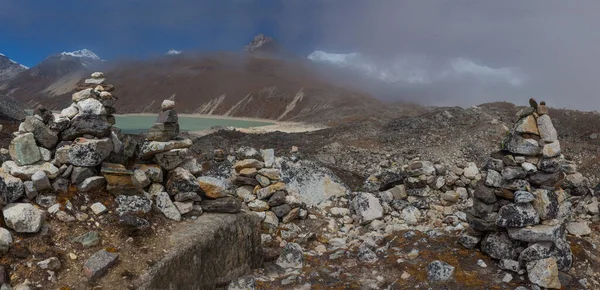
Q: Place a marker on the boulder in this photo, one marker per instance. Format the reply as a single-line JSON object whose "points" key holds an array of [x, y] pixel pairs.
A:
{"points": [[22, 217], [166, 206], [537, 233], [268, 156], [82, 95], [580, 228], [40, 181], [23, 150], [11, 189], [544, 272], [537, 251], [180, 181], [527, 125], [517, 215], [95, 125], [140, 179], [153, 171], [97, 265], [133, 204], [545, 204], [25, 172], [291, 257], [499, 245], [267, 192], [169, 160], [150, 148], [547, 131], [90, 106], [79, 174], [213, 187], [42, 134], [493, 179], [367, 207], [519, 145], [438, 271], [89, 152], [551, 149], [248, 163]]}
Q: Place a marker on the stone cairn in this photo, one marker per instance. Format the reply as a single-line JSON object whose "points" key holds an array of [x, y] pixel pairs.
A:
{"points": [[520, 207], [260, 186]]}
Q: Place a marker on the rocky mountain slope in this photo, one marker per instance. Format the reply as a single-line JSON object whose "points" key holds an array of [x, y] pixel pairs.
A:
{"points": [[8, 70], [264, 81]]}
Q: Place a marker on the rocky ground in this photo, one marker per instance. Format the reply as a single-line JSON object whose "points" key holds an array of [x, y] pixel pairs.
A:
{"points": [[376, 204]]}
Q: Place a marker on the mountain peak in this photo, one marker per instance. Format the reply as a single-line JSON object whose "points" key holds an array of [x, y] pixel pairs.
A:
{"points": [[13, 62], [83, 53], [173, 52], [263, 43]]}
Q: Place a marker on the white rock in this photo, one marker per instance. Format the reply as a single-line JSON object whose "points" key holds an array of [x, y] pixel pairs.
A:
{"points": [[471, 170], [98, 208], [22, 217], [411, 215], [167, 105], [70, 111], [5, 240], [90, 106], [367, 207], [580, 228], [166, 206]]}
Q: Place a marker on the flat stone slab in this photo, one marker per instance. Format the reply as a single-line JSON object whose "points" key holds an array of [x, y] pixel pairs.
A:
{"points": [[237, 236], [98, 264]]}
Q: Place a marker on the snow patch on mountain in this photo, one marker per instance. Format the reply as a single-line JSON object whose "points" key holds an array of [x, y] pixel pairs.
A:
{"points": [[419, 69], [173, 52], [83, 53], [25, 67]]}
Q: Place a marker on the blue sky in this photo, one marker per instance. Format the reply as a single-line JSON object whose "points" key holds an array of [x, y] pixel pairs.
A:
{"points": [[31, 30]]}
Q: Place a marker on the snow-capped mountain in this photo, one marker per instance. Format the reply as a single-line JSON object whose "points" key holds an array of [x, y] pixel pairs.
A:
{"points": [[173, 52], [9, 69], [85, 56], [420, 70]]}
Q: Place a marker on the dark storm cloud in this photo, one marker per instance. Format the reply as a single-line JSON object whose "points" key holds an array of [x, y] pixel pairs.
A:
{"points": [[553, 43]]}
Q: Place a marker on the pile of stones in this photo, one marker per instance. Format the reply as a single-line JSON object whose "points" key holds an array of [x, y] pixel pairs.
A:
{"points": [[55, 153], [260, 187], [520, 208]]}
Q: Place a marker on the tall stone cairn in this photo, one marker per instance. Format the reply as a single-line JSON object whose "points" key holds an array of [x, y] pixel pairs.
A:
{"points": [[521, 204]]}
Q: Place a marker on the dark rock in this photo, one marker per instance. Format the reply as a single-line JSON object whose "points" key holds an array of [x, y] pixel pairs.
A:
{"points": [[499, 245], [550, 165], [439, 271], [494, 164], [544, 179], [163, 132], [546, 204], [134, 222], [241, 181], [523, 197], [482, 209], [98, 264], [3, 276], [484, 193], [95, 125], [538, 233], [366, 255], [291, 257], [88, 239], [470, 238], [510, 173], [537, 251], [186, 196], [61, 185], [517, 215], [43, 135], [282, 210], [180, 181], [133, 204], [485, 224], [224, 205], [389, 179], [563, 255], [278, 198], [79, 174]]}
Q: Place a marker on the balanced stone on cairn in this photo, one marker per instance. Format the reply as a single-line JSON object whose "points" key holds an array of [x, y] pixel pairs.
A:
{"points": [[167, 123], [519, 208]]}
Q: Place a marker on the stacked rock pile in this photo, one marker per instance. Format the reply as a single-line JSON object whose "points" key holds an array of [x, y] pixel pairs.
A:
{"points": [[260, 187], [520, 208], [55, 153]]}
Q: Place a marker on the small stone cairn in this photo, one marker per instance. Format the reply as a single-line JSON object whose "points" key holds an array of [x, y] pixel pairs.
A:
{"points": [[520, 207], [260, 187]]}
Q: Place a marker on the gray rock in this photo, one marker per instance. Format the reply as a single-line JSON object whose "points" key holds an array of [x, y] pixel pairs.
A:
{"points": [[25, 172], [421, 192], [70, 111], [133, 204], [167, 116], [140, 179], [484, 193], [42, 134], [184, 207], [90, 106], [169, 160], [6, 240], [278, 198], [82, 95], [544, 273], [163, 132], [365, 254], [181, 181], [98, 208], [420, 168], [223, 205], [11, 189], [546, 204], [191, 165], [523, 197], [580, 228], [60, 185], [30, 191], [281, 210], [367, 207], [537, 251], [499, 245], [262, 180], [187, 196], [547, 131], [98, 264], [470, 239], [517, 215], [291, 257], [150, 148], [52, 264], [268, 156], [259, 205], [45, 201], [88, 239], [243, 283], [167, 105], [509, 265], [23, 150], [79, 174], [95, 125], [46, 154], [551, 149], [510, 173], [411, 215], [519, 145], [493, 179], [92, 184], [134, 222], [89, 152], [152, 171], [166, 206], [438, 271], [22, 217], [40, 181], [484, 224], [538, 233]]}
